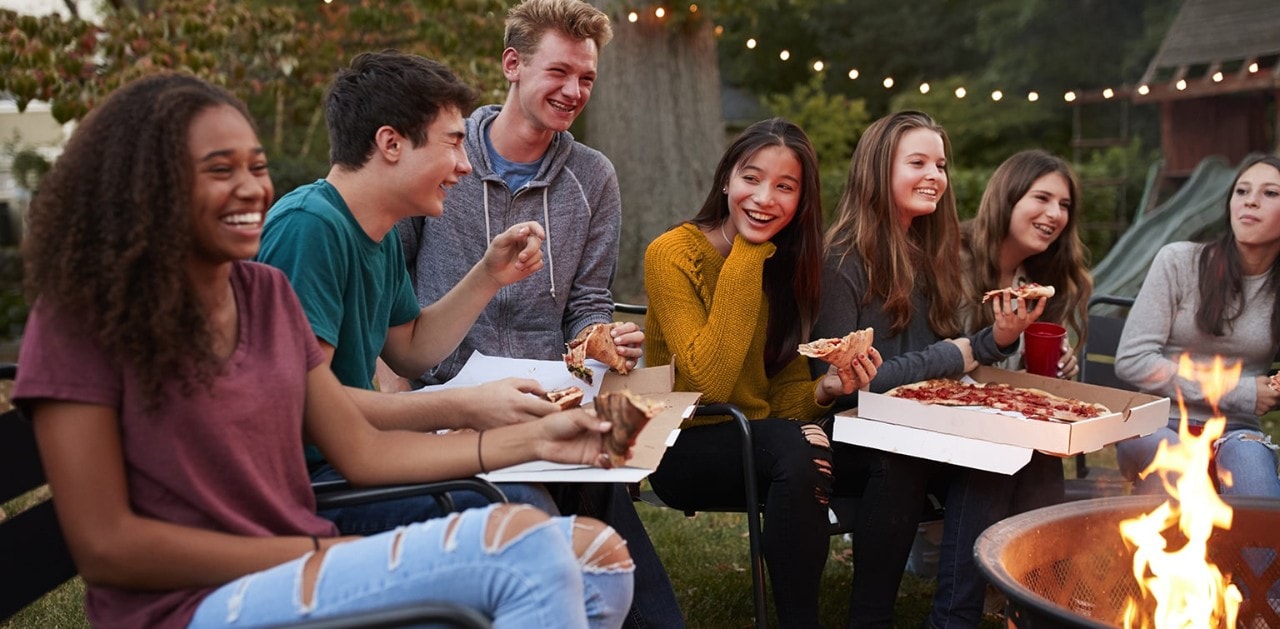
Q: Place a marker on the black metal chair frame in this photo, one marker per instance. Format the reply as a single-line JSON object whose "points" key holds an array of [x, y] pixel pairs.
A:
{"points": [[38, 561], [843, 507]]}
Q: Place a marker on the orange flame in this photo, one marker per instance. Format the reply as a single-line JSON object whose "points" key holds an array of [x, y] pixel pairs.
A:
{"points": [[1188, 590]]}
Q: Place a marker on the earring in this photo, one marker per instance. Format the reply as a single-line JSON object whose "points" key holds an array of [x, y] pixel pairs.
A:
{"points": [[724, 190]]}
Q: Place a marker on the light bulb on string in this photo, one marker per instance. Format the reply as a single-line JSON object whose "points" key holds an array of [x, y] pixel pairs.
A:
{"points": [[961, 92], [1070, 97], [1108, 93], [632, 17], [784, 55], [1181, 84], [751, 44], [1144, 89], [1217, 77], [1033, 96], [997, 95], [659, 13], [853, 74], [1253, 67], [924, 88], [818, 66], [888, 82]]}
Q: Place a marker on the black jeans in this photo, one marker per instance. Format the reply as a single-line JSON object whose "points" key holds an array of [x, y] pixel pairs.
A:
{"points": [[703, 470]]}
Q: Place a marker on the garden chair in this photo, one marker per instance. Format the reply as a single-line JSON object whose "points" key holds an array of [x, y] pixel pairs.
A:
{"points": [[37, 559], [842, 508], [1099, 367]]}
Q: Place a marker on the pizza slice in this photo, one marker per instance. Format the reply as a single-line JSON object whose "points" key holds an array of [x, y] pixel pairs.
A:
{"points": [[1026, 291], [840, 352], [567, 398], [596, 344], [629, 413]]}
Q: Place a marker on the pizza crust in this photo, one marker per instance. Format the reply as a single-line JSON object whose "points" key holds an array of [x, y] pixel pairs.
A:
{"points": [[567, 398], [840, 352], [1026, 291]]}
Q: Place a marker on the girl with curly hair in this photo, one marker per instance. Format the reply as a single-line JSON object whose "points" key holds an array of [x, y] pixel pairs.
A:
{"points": [[170, 382]]}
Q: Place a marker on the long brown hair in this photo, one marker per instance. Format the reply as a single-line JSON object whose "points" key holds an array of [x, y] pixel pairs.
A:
{"points": [[897, 259], [1222, 272], [793, 276], [109, 232], [1062, 265]]}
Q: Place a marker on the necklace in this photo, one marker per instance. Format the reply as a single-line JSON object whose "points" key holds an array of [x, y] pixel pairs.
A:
{"points": [[725, 236]]}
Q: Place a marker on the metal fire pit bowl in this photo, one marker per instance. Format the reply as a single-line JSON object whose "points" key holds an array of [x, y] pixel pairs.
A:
{"points": [[1068, 566]]}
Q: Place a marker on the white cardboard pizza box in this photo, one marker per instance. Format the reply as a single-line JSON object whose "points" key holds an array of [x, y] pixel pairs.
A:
{"points": [[968, 431], [654, 383]]}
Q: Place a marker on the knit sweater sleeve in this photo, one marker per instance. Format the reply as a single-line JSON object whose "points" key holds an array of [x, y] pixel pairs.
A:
{"points": [[791, 392], [707, 329], [1161, 327]]}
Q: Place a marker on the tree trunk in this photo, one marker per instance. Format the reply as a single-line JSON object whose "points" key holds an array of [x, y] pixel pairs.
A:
{"points": [[656, 113]]}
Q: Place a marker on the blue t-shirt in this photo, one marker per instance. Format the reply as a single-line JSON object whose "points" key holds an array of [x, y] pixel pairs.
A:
{"points": [[516, 174]]}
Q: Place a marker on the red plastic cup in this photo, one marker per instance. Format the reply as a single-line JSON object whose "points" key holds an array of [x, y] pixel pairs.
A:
{"points": [[1044, 348]]}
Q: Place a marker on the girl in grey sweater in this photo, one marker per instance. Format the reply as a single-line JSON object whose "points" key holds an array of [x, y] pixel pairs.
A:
{"points": [[1207, 300]]}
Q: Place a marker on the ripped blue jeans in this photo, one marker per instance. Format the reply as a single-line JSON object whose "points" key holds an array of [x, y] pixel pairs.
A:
{"points": [[1246, 455], [531, 578]]}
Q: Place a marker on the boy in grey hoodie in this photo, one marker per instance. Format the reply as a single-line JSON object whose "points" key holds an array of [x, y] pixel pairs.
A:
{"points": [[527, 167]]}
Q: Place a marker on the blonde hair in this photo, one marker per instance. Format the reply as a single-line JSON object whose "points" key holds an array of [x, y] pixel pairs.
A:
{"points": [[528, 21]]}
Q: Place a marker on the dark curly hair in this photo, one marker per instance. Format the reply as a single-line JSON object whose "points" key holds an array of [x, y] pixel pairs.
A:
{"points": [[109, 231]]}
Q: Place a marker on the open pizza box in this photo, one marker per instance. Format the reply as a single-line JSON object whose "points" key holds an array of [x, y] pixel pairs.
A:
{"points": [[988, 440], [654, 383]]}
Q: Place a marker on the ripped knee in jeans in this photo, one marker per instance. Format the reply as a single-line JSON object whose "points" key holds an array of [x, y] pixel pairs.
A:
{"points": [[599, 548], [818, 440]]}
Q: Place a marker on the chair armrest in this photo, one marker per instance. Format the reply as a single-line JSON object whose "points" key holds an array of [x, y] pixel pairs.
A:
{"points": [[452, 615], [339, 493]]}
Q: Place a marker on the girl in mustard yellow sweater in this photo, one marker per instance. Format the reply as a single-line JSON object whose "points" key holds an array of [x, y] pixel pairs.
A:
{"points": [[731, 294]]}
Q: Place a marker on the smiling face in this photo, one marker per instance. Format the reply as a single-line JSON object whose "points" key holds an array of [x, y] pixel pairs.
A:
{"points": [[763, 193], [1039, 217], [553, 85], [1255, 207], [231, 190], [919, 174], [431, 168]]}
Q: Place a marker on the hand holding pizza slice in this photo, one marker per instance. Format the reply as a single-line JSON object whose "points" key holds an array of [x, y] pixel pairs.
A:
{"points": [[1026, 291], [628, 413], [596, 344], [841, 353]]}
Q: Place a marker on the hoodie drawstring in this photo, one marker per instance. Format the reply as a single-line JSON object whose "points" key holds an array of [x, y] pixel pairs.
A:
{"points": [[546, 225]]}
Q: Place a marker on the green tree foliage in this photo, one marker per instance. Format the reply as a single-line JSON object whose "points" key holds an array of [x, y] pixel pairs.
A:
{"points": [[833, 122], [277, 56]]}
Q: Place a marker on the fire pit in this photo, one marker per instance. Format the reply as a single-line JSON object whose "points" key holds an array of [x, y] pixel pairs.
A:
{"points": [[1068, 566]]}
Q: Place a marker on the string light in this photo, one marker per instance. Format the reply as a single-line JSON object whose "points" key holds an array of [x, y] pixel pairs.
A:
{"points": [[1253, 67], [925, 88]]}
